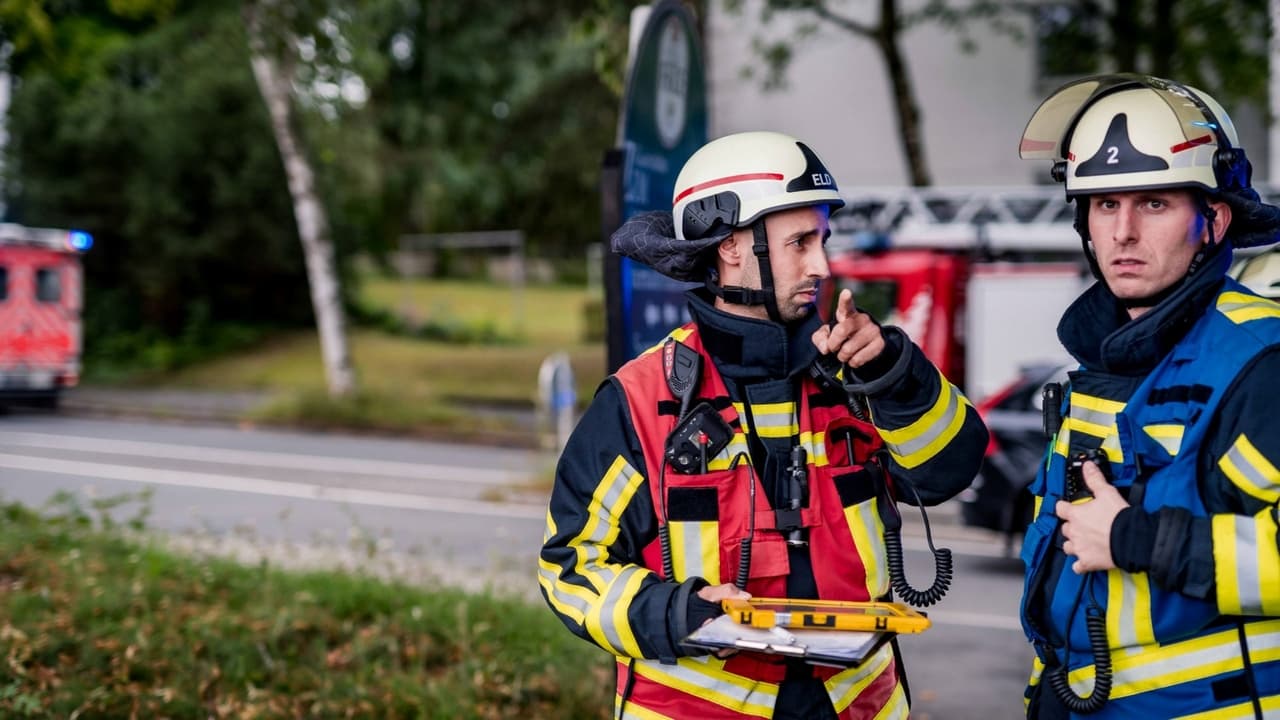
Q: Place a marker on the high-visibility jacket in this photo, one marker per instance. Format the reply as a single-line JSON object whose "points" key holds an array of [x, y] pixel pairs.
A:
{"points": [[600, 569], [1172, 654], [709, 515]]}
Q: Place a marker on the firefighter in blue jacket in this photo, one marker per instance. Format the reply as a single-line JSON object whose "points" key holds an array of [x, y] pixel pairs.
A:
{"points": [[1153, 570], [642, 544]]}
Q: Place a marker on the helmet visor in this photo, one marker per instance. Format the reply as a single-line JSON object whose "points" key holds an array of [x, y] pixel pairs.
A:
{"points": [[1046, 132]]}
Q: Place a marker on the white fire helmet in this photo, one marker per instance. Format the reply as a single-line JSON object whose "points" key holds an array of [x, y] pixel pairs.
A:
{"points": [[735, 180], [1124, 132]]}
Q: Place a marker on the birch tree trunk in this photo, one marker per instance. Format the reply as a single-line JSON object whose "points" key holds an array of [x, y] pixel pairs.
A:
{"points": [[309, 214]]}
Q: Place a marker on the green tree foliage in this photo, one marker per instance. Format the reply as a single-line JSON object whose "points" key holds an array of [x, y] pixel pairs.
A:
{"points": [[495, 113], [139, 121], [147, 130], [1219, 46]]}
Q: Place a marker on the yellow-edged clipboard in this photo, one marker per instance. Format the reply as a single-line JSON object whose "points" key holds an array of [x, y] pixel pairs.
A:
{"points": [[826, 615]]}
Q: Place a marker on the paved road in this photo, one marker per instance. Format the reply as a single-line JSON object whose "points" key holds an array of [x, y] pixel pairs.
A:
{"points": [[432, 513]]}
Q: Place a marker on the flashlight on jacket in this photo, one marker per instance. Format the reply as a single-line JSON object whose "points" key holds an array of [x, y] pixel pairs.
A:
{"points": [[797, 488]]}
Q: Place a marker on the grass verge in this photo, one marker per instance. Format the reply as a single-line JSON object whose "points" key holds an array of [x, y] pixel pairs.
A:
{"points": [[94, 624], [410, 384]]}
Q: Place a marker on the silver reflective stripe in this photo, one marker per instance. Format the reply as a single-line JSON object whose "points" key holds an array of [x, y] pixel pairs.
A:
{"points": [[549, 576], [910, 447], [689, 543], [703, 676], [1128, 609], [815, 444], [737, 446], [1256, 481], [844, 687], [1248, 584], [618, 594], [775, 420], [1095, 417], [868, 537], [1140, 670]]}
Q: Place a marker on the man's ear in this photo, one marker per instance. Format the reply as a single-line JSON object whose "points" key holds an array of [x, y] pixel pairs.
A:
{"points": [[1221, 219], [729, 250]]}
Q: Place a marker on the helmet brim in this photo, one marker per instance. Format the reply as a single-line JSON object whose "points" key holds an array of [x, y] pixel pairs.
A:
{"points": [[1046, 134]]}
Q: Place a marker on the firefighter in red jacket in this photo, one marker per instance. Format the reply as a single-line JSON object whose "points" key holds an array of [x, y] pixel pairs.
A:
{"points": [[642, 544]]}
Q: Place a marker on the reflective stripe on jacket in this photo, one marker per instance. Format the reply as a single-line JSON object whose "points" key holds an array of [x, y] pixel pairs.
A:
{"points": [[709, 515], [1171, 653]]}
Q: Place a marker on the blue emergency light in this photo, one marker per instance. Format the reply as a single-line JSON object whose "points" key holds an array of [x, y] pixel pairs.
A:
{"points": [[79, 240]]}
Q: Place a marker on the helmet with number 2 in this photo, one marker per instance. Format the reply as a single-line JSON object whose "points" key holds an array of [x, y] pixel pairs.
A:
{"points": [[1124, 132], [1135, 132]]}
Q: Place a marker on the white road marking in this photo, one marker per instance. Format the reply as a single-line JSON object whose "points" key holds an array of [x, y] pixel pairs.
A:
{"points": [[276, 488], [259, 458]]}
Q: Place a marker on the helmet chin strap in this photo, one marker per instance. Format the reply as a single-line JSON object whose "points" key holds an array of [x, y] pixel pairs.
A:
{"points": [[765, 296], [1148, 301]]}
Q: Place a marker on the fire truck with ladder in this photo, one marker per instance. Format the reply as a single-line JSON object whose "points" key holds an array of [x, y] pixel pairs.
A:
{"points": [[40, 305]]}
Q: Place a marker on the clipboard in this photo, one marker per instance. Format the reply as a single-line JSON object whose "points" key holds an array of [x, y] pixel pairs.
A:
{"points": [[837, 648], [827, 615]]}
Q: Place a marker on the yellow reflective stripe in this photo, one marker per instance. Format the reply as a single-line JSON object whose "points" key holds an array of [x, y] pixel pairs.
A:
{"points": [[695, 549], [919, 442], [896, 707], [566, 598], [1242, 308], [1063, 443], [1169, 436], [1243, 710], [845, 687], [680, 334], [607, 621], [868, 537], [705, 678], [1090, 428], [1039, 500], [1224, 563], [615, 584], [635, 712], [1110, 438], [775, 420], [1249, 470], [1097, 404], [608, 501], [1268, 563], [816, 445], [1247, 563], [1140, 670], [1129, 609], [737, 446]]}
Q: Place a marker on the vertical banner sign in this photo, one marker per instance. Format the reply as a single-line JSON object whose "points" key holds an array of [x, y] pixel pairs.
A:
{"points": [[664, 120]]}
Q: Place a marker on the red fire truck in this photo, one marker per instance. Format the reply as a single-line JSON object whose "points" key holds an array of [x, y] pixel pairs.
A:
{"points": [[976, 277], [40, 304]]}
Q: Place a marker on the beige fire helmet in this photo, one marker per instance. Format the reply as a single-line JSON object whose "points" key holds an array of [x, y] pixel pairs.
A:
{"points": [[734, 180]]}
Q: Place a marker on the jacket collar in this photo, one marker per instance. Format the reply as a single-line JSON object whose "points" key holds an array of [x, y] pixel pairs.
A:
{"points": [[1097, 331], [748, 349]]}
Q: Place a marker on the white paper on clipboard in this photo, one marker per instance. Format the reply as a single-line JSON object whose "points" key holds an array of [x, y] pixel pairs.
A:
{"points": [[825, 647]]}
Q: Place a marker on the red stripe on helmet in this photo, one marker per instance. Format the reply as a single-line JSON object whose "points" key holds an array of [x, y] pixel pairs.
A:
{"points": [[725, 180], [1202, 140]]}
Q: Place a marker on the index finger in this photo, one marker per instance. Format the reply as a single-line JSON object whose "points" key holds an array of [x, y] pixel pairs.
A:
{"points": [[845, 306]]}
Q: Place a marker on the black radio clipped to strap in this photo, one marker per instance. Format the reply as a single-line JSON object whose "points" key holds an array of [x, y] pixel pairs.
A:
{"points": [[700, 433]]}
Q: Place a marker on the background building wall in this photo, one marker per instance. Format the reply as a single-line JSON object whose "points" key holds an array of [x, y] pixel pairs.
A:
{"points": [[837, 97]]}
